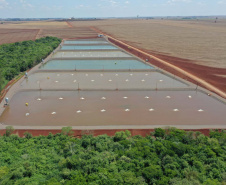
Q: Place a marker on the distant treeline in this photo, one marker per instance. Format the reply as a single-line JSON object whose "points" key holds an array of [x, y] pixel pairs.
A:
{"points": [[20, 56], [170, 156]]}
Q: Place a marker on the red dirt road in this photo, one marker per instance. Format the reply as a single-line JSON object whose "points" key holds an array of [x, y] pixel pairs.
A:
{"points": [[69, 24]]}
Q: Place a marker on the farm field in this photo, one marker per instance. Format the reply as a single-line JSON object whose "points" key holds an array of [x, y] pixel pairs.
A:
{"points": [[17, 35], [19, 31]]}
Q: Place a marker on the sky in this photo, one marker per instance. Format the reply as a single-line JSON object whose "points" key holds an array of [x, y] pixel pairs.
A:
{"points": [[109, 8]]}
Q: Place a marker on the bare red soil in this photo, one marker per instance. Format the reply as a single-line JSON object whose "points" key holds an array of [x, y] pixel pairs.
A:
{"points": [[79, 133]]}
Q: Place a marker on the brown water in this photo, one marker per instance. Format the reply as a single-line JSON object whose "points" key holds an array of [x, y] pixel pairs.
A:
{"points": [[139, 104], [99, 80]]}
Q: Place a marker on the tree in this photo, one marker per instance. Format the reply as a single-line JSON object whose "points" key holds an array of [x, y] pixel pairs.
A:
{"points": [[159, 132], [119, 136], [28, 135], [1, 79], [67, 131], [9, 130], [152, 173]]}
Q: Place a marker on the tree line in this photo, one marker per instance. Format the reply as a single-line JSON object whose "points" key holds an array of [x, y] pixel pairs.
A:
{"points": [[20, 56], [165, 156]]}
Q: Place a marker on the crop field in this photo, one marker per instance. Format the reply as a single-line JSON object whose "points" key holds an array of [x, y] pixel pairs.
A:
{"points": [[34, 24], [69, 33], [19, 31], [17, 35]]}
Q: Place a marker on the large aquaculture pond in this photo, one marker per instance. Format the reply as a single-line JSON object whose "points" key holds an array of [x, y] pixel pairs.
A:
{"points": [[88, 47], [85, 42], [112, 108], [95, 64], [101, 80]]}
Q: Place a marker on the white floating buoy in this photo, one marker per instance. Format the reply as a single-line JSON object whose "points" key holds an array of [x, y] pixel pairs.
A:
{"points": [[92, 80], [82, 98], [131, 74], [103, 98], [101, 75], [56, 81], [110, 80], [116, 74], [161, 80], [168, 97], [143, 80], [103, 110], [127, 110], [60, 98], [79, 111], [53, 113], [175, 110], [72, 74], [189, 96], [87, 75], [200, 110], [125, 97], [146, 97], [58, 74], [39, 99], [151, 110], [27, 114], [146, 74], [127, 80], [74, 81]]}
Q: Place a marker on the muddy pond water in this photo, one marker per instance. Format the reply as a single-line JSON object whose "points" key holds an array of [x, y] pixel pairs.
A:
{"points": [[93, 108]]}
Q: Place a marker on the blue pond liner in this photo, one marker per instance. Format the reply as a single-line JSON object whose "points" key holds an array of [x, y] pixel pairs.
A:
{"points": [[84, 42], [89, 47], [94, 64]]}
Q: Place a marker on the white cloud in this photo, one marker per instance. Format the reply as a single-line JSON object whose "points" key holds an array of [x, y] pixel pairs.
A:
{"points": [[127, 2], [179, 1], [221, 2], [3, 4], [111, 2], [25, 4]]}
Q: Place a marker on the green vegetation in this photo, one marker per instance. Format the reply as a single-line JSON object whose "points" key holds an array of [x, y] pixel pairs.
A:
{"points": [[168, 156], [20, 56]]}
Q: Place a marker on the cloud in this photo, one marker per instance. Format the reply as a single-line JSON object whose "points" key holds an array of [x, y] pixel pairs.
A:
{"points": [[127, 2], [179, 1], [221, 2], [25, 4], [111, 2], [3, 4]]}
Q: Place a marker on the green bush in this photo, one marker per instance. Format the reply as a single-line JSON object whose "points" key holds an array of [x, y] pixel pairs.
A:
{"points": [[121, 159], [20, 56]]}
